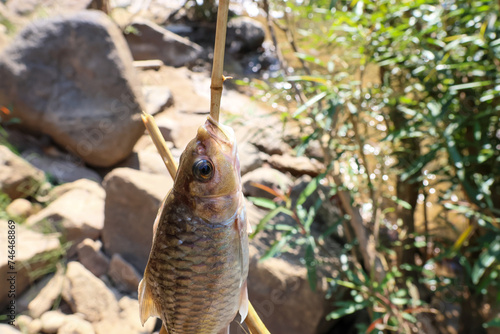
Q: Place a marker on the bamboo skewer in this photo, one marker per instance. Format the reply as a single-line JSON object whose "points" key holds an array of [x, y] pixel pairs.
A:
{"points": [[218, 64]]}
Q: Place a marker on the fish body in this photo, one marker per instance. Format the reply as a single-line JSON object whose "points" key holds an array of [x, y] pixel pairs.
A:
{"points": [[195, 279]]}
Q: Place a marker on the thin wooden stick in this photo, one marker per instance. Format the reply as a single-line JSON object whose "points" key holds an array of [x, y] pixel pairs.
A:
{"points": [[218, 64], [255, 325], [253, 321], [159, 141]]}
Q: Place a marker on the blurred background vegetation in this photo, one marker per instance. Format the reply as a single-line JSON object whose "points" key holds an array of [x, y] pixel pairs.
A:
{"points": [[403, 100]]}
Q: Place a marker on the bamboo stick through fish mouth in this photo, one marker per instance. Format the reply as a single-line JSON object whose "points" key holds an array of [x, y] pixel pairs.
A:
{"points": [[254, 323]]}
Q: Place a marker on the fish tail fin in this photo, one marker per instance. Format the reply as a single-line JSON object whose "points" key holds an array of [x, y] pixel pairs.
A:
{"points": [[147, 306], [243, 310]]}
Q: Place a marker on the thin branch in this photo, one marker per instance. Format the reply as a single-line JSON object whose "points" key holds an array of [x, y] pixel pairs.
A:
{"points": [[255, 325], [218, 64], [159, 141]]}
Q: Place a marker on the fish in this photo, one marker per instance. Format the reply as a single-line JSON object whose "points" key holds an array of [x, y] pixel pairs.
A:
{"points": [[195, 280]]}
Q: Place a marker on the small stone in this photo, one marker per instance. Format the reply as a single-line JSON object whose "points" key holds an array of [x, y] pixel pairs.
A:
{"points": [[8, 329], [19, 207], [35, 326], [244, 34], [23, 321], [250, 157], [90, 255], [157, 98], [265, 176], [123, 274], [47, 296], [75, 325], [88, 295], [52, 321]]}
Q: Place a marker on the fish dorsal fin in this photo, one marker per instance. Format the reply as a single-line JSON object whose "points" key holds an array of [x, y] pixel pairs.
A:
{"points": [[243, 310], [147, 306]]}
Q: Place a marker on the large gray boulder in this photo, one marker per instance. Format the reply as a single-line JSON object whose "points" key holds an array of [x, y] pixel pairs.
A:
{"points": [[71, 77], [132, 201]]}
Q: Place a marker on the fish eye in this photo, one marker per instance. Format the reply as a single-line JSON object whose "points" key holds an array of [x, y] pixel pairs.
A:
{"points": [[203, 170]]}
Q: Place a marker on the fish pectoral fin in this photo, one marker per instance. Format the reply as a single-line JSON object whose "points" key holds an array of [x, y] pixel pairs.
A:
{"points": [[243, 310], [224, 331], [147, 306]]}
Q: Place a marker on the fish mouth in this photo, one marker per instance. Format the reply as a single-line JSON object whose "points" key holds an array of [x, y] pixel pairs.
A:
{"points": [[219, 131]]}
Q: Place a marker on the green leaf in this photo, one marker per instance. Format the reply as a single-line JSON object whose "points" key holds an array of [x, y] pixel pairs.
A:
{"points": [[309, 103], [311, 263], [492, 323], [489, 256], [348, 309], [270, 215], [277, 246], [263, 202]]}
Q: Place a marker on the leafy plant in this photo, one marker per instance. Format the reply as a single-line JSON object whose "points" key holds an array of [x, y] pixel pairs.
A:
{"points": [[404, 99]]}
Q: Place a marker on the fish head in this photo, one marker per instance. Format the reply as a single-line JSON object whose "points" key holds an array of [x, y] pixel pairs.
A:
{"points": [[209, 172]]}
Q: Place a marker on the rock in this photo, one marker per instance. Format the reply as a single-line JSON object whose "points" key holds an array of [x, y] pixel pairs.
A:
{"points": [[19, 207], [92, 258], [88, 295], [170, 129], [29, 7], [267, 177], [83, 184], [132, 202], [39, 245], [129, 309], [244, 34], [62, 170], [71, 77], [8, 329], [250, 157], [146, 161], [157, 98], [127, 321], [47, 296], [123, 274], [75, 325], [52, 321], [22, 322], [35, 326], [269, 140], [18, 178], [148, 40], [77, 214], [296, 166], [31, 293]]}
